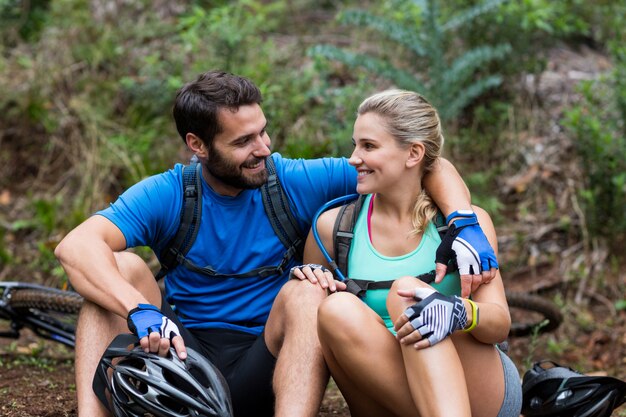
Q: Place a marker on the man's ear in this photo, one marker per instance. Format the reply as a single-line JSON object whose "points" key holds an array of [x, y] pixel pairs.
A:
{"points": [[197, 145], [416, 154]]}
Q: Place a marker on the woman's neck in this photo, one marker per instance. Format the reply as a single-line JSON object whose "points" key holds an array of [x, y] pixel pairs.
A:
{"points": [[397, 204]]}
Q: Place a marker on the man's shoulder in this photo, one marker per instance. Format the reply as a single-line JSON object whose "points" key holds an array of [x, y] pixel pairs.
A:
{"points": [[154, 190], [296, 166], [164, 180]]}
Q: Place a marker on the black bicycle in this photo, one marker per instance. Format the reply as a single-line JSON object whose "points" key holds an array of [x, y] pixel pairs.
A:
{"points": [[49, 312]]}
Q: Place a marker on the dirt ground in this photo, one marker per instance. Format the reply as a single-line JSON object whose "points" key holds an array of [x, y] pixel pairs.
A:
{"points": [[37, 378]]}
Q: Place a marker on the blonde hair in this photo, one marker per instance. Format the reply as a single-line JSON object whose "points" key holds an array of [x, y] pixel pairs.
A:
{"points": [[410, 118]]}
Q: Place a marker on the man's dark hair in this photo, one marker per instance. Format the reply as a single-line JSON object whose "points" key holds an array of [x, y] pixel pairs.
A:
{"points": [[198, 103]]}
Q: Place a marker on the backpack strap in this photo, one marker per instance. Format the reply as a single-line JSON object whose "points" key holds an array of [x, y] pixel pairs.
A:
{"points": [[359, 287], [279, 212], [276, 206], [343, 233], [190, 215]]}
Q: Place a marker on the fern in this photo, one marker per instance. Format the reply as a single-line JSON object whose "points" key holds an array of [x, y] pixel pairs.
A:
{"points": [[470, 14], [405, 36], [381, 67], [449, 80]]}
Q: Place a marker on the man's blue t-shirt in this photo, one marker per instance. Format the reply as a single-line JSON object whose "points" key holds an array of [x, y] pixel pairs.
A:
{"points": [[235, 236]]}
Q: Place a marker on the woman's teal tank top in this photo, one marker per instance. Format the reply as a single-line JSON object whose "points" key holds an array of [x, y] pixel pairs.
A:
{"points": [[365, 262]]}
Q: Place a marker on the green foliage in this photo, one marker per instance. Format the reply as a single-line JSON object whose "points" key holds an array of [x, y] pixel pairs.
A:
{"points": [[597, 125], [22, 19], [533, 343], [431, 61], [331, 110], [5, 255]]}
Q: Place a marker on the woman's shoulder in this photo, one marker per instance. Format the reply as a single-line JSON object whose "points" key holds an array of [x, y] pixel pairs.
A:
{"points": [[326, 220]]}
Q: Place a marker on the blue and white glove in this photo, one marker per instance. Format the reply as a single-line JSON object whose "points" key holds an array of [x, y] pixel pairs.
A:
{"points": [[436, 316], [146, 318], [466, 240]]}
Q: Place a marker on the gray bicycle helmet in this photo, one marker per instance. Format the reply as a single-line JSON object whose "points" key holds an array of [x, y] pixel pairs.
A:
{"points": [[141, 383], [550, 390]]}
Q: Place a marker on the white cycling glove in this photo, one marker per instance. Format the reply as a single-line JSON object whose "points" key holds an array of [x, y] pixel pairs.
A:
{"points": [[436, 316]]}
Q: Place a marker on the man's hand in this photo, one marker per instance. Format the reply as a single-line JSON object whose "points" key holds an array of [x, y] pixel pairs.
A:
{"points": [[317, 274], [433, 318], [475, 257], [155, 330]]}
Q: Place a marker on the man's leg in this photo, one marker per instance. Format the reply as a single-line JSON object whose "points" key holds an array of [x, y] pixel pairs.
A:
{"points": [[301, 375], [97, 327]]}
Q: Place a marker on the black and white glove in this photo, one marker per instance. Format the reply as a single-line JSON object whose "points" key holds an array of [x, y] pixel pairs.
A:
{"points": [[313, 267], [146, 318], [466, 242], [436, 316]]}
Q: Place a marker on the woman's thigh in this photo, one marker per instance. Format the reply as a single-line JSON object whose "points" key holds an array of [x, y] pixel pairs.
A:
{"points": [[364, 358], [484, 374]]}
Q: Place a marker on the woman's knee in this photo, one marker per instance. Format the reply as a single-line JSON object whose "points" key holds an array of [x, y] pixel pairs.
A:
{"points": [[396, 304], [341, 314]]}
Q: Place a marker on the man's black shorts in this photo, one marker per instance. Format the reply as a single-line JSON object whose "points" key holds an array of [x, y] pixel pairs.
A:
{"points": [[242, 358]]}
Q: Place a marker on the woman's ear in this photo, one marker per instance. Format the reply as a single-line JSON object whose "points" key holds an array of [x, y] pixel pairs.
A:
{"points": [[196, 145], [416, 154]]}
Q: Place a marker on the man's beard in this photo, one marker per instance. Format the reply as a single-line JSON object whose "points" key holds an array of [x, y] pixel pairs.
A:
{"points": [[232, 175]]}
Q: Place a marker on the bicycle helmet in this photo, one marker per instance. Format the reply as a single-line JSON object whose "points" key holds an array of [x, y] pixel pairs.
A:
{"points": [[141, 383], [552, 390]]}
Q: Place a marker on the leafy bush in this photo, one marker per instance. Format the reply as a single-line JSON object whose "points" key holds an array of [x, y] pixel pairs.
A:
{"points": [[598, 125], [438, 66]]}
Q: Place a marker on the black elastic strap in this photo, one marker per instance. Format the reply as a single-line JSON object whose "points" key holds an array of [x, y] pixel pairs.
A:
{"points": [[343, 232], [359, 287], [276, 205], [190, 216]]}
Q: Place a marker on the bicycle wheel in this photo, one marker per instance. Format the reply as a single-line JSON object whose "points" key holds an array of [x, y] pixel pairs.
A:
{"points": [[532, 313], [49, 312]]}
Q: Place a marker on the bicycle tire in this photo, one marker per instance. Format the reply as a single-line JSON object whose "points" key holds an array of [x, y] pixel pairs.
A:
{"points": [[540, 314], [49, 312], [46, 299]]}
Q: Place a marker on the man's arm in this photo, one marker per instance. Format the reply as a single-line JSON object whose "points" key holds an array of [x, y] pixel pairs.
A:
{"points": [[451, 195], [447, 188], [87, 255]]}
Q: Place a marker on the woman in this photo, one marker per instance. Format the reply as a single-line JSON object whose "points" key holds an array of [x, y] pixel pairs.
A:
{"points": [[407, 351]]}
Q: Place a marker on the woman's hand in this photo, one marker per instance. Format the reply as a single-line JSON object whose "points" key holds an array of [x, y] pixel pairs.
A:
{"points": [[317, 274], [466, 242], [433, 318]]}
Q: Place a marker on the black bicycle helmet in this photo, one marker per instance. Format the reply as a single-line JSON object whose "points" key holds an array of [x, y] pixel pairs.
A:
{"points": [[140, 383], [550, 390]]}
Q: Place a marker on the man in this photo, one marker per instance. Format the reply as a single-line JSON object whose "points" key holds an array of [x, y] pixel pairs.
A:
{"points": [[259, 331]]}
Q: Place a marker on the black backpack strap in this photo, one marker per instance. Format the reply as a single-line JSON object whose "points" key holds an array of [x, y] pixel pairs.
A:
{"points": [[358, 287], [190, 216], [276, 206], [279, 212], [343, 232]]}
